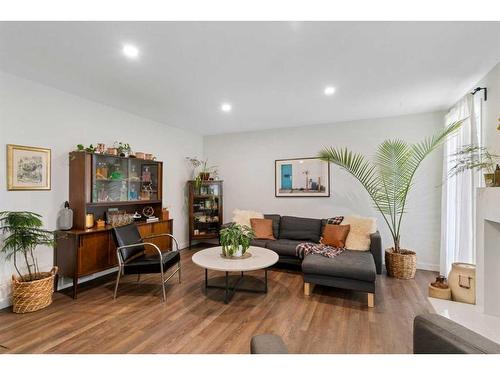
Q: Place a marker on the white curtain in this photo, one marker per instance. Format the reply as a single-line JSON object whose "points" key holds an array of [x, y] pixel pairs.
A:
{"points": [[459, 192]]}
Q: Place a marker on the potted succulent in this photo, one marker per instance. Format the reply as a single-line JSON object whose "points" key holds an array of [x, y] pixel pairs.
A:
{"points": [[473, 157], [388, 181], [123, 149], [22, 233], [235, 239]]}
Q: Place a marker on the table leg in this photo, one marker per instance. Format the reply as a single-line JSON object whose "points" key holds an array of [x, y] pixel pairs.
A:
{"points": [[265, 280], [226, 294], [206, 281]]}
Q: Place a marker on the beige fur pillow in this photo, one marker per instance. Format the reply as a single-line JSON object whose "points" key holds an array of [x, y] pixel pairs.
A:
{"points": [[359, 235], [242, 217]]}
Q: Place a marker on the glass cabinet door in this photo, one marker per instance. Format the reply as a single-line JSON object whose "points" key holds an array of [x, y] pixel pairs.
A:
{"points": [[206, 206], [117, 179], [110, 179]]}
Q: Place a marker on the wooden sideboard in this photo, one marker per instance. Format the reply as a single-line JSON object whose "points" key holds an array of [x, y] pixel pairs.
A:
{"points": [[82, 252]]}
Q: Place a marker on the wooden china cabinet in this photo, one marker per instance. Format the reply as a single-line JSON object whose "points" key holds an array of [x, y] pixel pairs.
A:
{"points": [[101, 184], [205, 209]]}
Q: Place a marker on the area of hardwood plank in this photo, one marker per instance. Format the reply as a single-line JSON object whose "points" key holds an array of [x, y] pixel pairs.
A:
{"points": [[328, 321]]}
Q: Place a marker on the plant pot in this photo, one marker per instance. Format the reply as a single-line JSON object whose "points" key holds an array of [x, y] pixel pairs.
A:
{"points": [[401, 265], [489, 179], [204, 176], [462, 281], [29, 296]]}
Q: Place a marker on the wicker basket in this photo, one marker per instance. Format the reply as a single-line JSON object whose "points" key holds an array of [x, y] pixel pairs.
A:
{"points": [[29, 296], [401, 265]]}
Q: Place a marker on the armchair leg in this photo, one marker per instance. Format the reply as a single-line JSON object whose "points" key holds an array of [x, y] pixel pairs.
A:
{"points": [[163, 288], [117, 281]]}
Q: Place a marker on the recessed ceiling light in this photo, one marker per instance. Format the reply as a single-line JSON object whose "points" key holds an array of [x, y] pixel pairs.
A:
{"points": [[226, 107], [329, 90], [130, 51]]}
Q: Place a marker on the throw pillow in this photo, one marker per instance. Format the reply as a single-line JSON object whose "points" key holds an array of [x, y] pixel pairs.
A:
{"points": [[359, 234], [242, 217], [335, 235], [335, 220], [263, 229]]}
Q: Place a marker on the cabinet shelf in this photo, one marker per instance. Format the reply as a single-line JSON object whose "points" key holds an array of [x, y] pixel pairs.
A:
{"points": [[122, 203]]}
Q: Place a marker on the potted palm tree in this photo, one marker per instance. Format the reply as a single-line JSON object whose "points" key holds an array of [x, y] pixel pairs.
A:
{"points": [[388, 180], [22, 231]]}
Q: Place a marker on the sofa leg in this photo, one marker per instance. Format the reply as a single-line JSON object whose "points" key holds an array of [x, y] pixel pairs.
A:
{"points": [[371, 300], [308, 287]]}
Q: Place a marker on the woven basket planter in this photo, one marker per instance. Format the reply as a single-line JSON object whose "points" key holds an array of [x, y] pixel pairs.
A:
{"points": [[401, 265], [29, 296]]}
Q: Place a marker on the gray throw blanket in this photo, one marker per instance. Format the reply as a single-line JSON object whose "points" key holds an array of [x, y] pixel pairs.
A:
{"points": [[306, 248]]}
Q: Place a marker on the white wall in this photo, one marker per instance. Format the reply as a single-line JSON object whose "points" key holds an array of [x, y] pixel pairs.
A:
{"points": [[491, 109], [36, 115], [246, 163]]}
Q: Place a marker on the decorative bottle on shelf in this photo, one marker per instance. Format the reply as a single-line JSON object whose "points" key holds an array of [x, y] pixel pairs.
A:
{"points": [[496, 181], [65, 217]]}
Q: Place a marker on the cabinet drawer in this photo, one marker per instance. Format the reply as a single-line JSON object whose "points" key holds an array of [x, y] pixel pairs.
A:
{"points": [[93, 254]]}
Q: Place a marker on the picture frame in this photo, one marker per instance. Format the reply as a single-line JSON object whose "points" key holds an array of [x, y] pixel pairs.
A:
{"points": [[301, 177], [28, 168]]}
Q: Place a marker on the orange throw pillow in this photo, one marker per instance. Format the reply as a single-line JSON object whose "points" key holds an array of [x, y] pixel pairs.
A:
{"points": [[335, 235], [263, 229]]}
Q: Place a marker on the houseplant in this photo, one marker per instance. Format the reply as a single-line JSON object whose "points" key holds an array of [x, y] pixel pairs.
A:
{"points": [[235, 239], [204, 171], [473, 157], [388, 180], [22, 231]]}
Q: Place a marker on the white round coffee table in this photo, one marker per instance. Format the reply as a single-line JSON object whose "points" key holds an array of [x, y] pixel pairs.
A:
{"points": [[211, 259]]}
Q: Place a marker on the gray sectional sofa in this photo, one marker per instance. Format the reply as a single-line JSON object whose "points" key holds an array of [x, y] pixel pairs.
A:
{"points": [[353, 270]]}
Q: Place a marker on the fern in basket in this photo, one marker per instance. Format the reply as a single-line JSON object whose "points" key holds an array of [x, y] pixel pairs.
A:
{"points": [[22, 232]]}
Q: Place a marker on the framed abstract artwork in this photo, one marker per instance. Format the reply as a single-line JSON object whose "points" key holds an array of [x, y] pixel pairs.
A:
{"points": [[28, 168], [302, 177]]}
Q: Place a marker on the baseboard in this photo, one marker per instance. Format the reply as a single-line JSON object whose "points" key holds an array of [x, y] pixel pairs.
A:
{"points": [[4, 303], [428, 266]]}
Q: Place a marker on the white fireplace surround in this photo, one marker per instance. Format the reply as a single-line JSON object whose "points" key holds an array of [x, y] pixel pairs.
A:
{"points": [[484, 317]]}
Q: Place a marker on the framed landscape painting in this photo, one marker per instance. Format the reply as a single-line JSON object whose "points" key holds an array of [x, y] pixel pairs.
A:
{"points": [[28, 168], [302, 177]]}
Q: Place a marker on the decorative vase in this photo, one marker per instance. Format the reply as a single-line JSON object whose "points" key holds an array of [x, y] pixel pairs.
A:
{"points": [[462, 281], [238, 251], [402, 264], [489, 179], [29, 296]]}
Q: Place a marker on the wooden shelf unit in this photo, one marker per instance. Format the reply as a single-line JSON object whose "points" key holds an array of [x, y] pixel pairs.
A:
{"points": [[205, 202]]}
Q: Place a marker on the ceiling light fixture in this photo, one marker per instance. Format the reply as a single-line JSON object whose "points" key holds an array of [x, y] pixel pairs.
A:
{"points": [[226, 107], [130, 51], [329, 90]]}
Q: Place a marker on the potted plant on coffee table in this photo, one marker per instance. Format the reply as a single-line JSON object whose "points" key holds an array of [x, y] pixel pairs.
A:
{"points": [[388, 179], [22, 231], [235, 240]]}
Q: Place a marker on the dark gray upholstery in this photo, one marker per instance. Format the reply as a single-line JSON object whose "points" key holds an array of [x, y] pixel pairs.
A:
{"points": [[300, 228], [276, 223], [151, 264], [340, 282], [267, 344], [284, 247], [259, 243], [376, 250], [435, 334], [351, 264]]}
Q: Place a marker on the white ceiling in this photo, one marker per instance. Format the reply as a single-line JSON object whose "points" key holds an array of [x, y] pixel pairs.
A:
{"points": [[273, 73]]}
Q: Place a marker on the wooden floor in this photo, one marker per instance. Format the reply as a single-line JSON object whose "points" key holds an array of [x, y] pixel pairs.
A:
{"points": [[329, 321]]}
